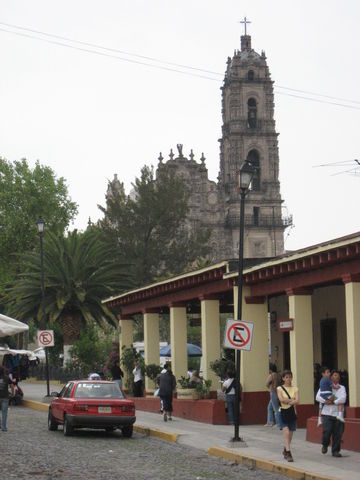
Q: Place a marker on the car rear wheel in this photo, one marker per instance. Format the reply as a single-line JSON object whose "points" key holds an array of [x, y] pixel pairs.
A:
{"points": [[68, 429], [127, 431], [52, 425]]}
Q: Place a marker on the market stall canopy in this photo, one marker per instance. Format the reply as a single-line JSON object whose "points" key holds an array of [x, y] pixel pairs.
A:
{"points": [[192, 351], [10, 326]]}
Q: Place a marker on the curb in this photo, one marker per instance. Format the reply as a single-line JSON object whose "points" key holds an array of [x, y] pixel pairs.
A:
{"points": [[154, 432], [43, 407], [266, 465]]}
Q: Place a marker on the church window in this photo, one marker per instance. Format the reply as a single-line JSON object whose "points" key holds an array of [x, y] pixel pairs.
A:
{"points": [[252, 113], [254, 158], [251, 75]]}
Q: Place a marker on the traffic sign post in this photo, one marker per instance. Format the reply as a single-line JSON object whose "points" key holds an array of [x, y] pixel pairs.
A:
{"points": [[238, 334], [45, 338]]}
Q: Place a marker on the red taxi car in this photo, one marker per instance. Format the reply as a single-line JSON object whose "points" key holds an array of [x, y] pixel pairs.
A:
{"points": [[91, 404]]}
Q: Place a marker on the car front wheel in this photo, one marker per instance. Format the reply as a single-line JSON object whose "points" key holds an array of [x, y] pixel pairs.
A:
{"points": [[127, 431], [68, 429], [52, 425]]}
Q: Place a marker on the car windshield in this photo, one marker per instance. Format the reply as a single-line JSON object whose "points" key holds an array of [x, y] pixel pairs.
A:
{"points": [[98, 390]]}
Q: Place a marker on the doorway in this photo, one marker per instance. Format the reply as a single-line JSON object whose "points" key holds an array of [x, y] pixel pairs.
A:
{"points": [[286, 350], [328, 343]]}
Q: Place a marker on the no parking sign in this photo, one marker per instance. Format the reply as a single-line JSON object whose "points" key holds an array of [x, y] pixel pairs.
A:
{"points": [[238, 334], [46, 338]]}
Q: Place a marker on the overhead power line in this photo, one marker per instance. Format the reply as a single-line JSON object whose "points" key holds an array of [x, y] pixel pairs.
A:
{"points": [[160, 64]]}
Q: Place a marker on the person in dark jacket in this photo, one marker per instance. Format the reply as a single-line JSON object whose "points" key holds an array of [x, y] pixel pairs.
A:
{"points": [[116, 373], [167, 385], [4, 398]]}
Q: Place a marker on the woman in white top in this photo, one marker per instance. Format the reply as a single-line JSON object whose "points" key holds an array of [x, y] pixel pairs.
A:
{"points": [[228, 387], [138, 382]]}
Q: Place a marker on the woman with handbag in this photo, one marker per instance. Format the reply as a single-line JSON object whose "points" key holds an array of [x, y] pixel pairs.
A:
{"points": [[288, 396]]}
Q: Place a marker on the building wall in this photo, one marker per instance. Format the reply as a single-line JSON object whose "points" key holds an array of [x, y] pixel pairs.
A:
{"points": [[329, 302]]}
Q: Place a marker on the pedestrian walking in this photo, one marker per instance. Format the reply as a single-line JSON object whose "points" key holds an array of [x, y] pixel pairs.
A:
{"points": [[272, 382], [288, 396], [167, 385], [4, 397], [333, 428]]}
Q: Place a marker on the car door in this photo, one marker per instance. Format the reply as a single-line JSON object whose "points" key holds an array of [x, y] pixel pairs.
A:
{"points": [[58, 404]]}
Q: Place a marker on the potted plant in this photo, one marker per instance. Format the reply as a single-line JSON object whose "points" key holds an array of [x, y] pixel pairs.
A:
{"points": [[152, 371], [188, 390], [203, 388]]}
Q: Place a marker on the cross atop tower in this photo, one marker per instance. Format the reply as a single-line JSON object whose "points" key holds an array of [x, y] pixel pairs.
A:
{"points": [[245, 22]]}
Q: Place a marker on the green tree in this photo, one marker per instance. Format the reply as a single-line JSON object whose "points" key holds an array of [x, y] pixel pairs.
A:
{"points": [[90, 350], [79, 272], [25, 195], [149, 228]]}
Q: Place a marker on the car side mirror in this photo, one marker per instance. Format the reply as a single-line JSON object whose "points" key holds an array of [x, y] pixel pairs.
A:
{"points": [[55, 394]]}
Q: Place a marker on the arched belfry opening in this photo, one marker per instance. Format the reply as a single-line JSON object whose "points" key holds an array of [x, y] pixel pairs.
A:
{"points": [[252, 113], [254, 158], [251, 75]]}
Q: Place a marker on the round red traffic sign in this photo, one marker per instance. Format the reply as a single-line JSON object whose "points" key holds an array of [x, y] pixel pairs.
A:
{"points": [[46, 338], [238, 334]]}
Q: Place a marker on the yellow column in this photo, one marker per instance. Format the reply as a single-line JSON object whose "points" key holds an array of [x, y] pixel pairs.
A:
{"points": [[210, 338], [126, 338], [301, 344], [151, 343], [352, 301], [254, 366], [178, 340]]}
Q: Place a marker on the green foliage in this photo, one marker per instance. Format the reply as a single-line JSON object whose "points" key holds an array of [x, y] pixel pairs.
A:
{"points": [[127, 360], [184, 382], [89, 350], [203, 388], [79, 272], [152, 371], [149, 227], [25, 195], [221, 366]]}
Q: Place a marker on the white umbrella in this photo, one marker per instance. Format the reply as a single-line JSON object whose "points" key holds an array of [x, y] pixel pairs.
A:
{"points": [[10, 326]]}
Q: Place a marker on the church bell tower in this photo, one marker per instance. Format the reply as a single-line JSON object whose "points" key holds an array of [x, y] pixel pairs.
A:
{"points": [[248, 133]]}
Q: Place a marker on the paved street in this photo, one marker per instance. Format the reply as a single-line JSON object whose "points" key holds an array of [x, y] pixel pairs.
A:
{"points": [[30, 451]]}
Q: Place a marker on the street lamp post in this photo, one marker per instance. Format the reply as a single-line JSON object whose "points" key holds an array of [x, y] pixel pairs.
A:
{"points": [[246, 174], [40, 229]]}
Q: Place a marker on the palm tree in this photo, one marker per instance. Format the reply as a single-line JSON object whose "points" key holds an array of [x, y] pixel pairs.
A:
{"points": [[79, 272]]}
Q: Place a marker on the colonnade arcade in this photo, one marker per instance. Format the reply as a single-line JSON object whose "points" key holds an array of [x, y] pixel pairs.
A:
{"points": [[315, 287]]}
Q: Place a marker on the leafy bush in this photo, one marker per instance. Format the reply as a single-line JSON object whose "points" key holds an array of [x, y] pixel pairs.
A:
{"points": [[221, 366], [152, 371]]}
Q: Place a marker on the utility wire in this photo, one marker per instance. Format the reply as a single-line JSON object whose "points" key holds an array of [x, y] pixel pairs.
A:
{"points": [[102, 54], [161, 67], [114, 50]]}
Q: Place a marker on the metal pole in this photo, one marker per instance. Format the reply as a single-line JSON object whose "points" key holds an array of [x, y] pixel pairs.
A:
{"points": [[43, 313], [239, 314]]}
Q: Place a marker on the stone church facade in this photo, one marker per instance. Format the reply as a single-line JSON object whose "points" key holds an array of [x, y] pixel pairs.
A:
{"points": [[248, 133]]}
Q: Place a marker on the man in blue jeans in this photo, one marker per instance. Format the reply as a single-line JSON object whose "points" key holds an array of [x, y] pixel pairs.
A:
{"points": [[333, 428], [4, 397]]}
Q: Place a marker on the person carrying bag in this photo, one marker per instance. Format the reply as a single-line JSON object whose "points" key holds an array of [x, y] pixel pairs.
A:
{"points": [[288, 396]]}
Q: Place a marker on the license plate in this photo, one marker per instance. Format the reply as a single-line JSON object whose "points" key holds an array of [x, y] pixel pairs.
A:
{"points": [[104, 409]]}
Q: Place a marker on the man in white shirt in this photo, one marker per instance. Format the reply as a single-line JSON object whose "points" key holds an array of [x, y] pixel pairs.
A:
{"points": [[332, 428]]}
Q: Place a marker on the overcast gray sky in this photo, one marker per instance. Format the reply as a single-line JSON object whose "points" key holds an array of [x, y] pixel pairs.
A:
{"points": [[90, 115]]}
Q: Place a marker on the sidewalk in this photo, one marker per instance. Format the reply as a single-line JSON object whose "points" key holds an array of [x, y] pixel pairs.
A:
{"points": [[261, 448]]}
